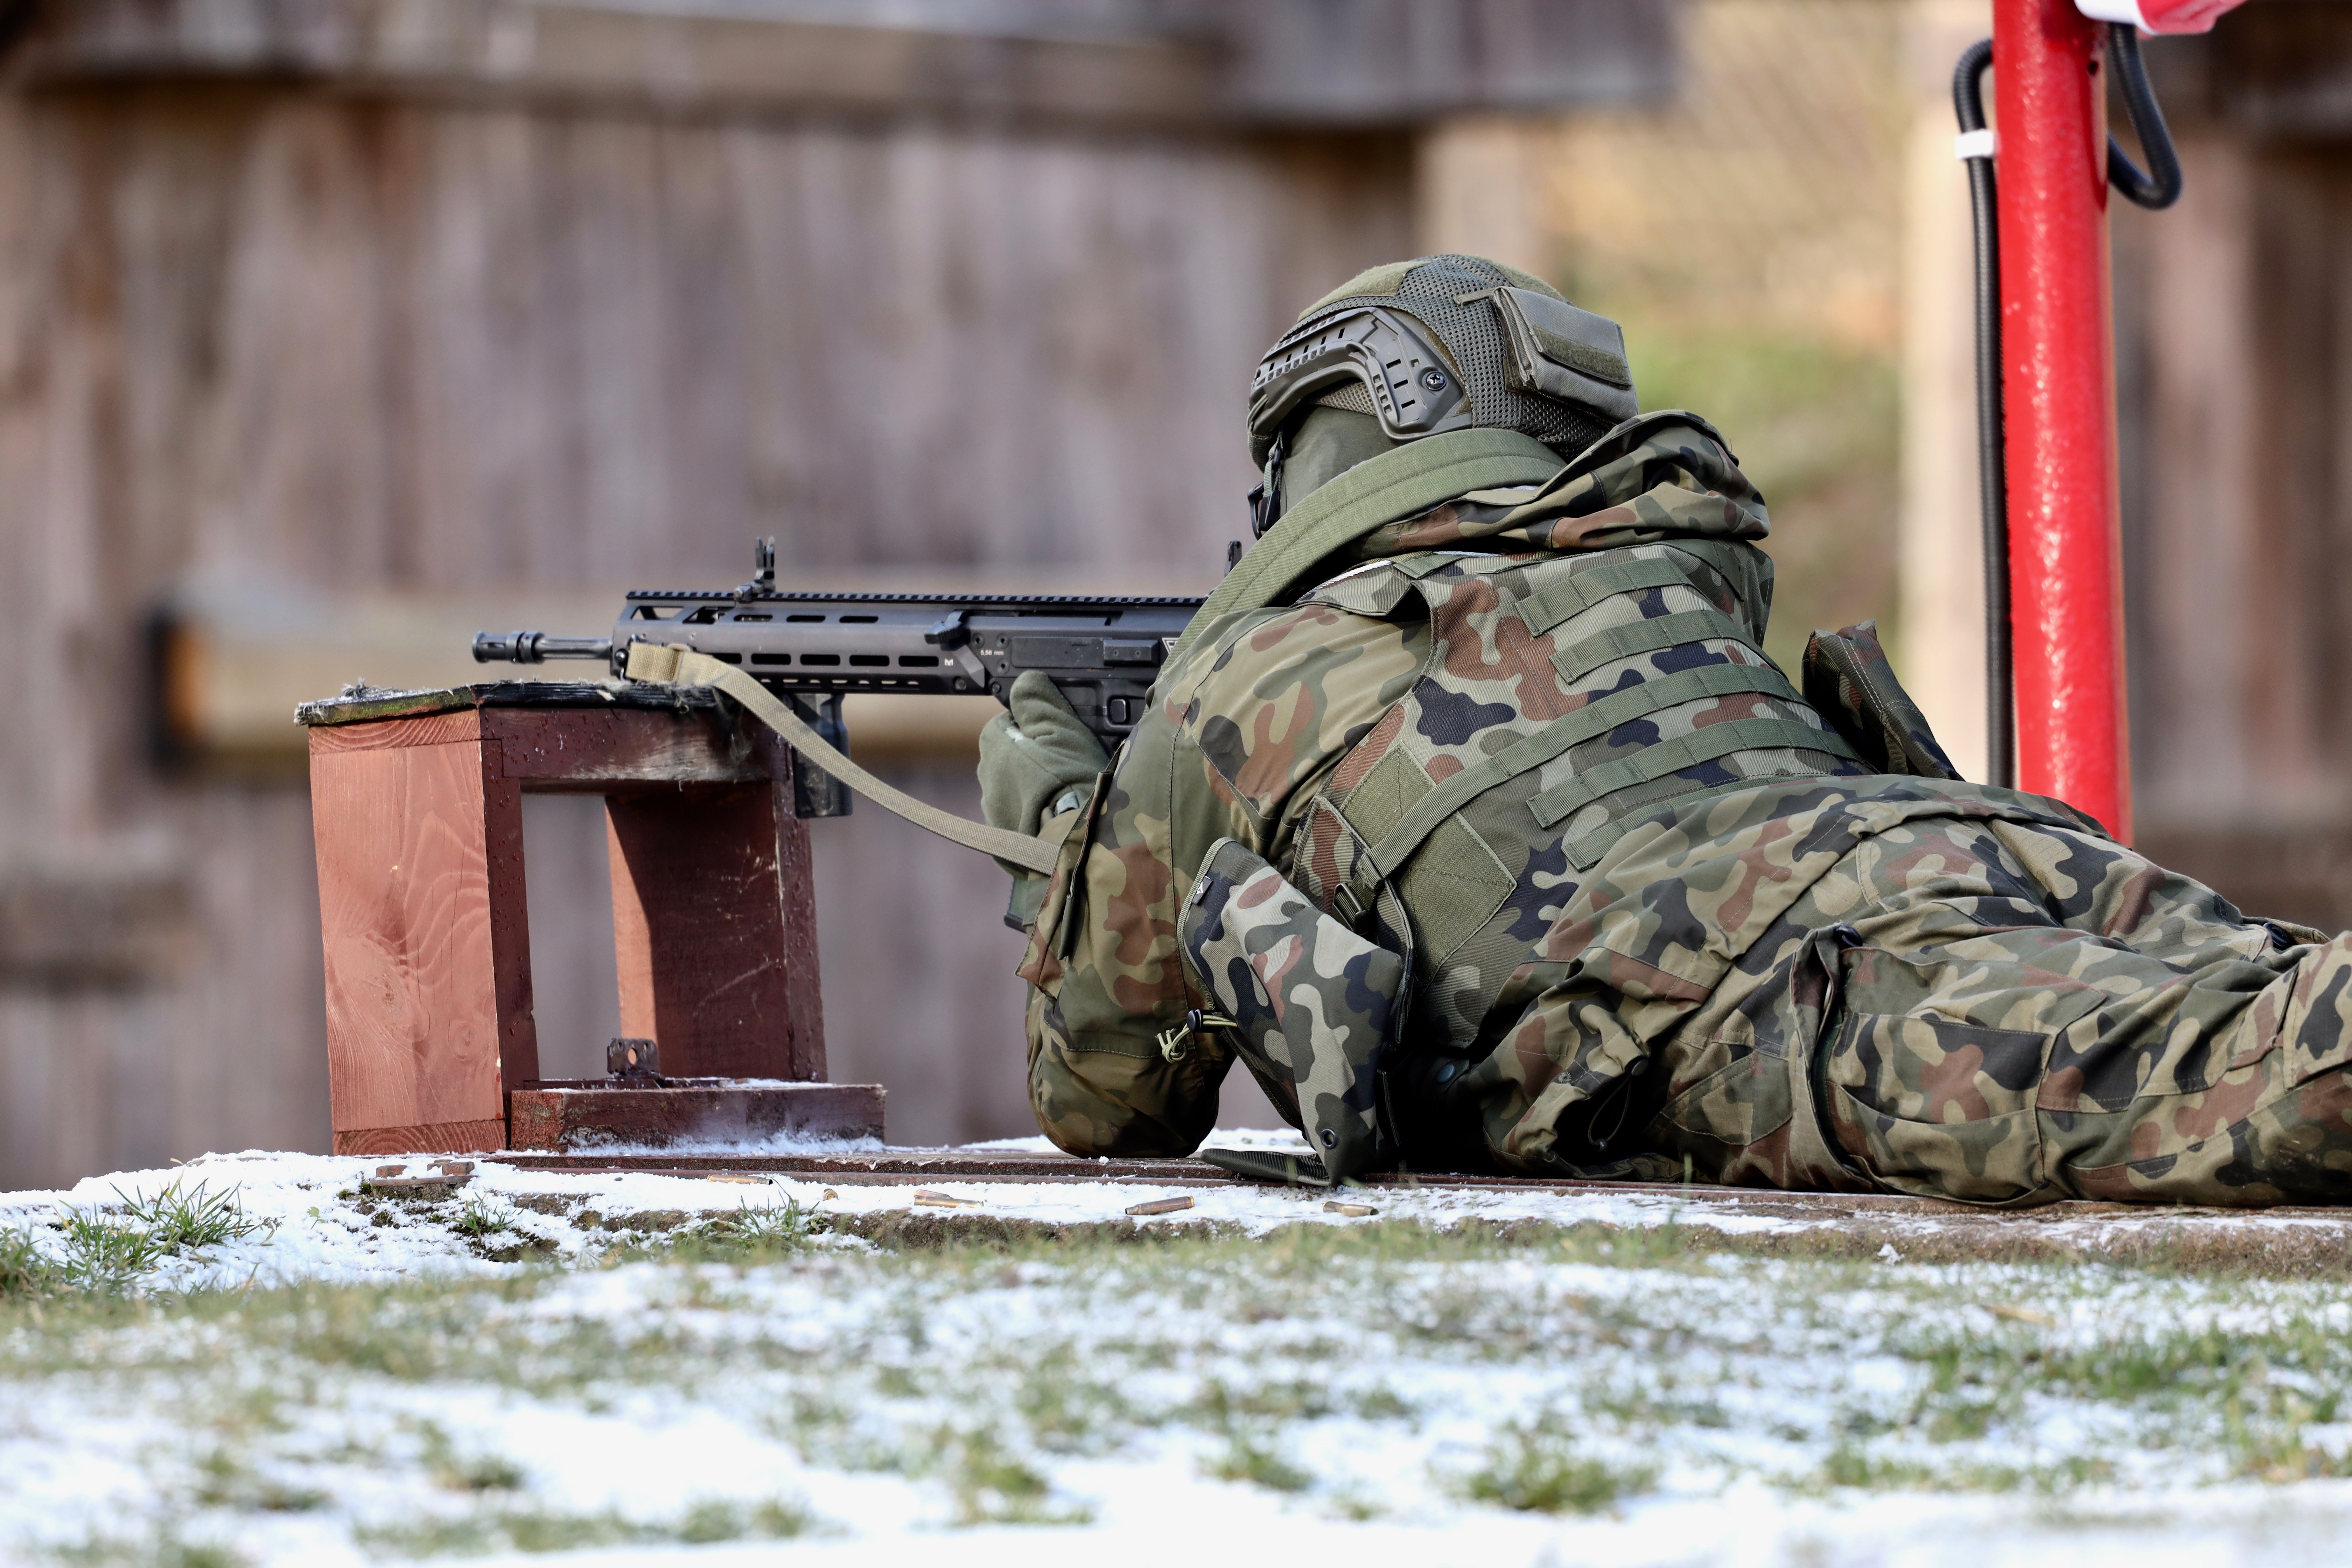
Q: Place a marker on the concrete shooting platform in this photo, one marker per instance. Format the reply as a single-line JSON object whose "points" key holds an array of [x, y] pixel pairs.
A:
{"points": [[985, 1190]]}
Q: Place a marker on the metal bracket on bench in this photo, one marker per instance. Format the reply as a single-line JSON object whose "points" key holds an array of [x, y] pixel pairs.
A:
{"points": [[633, 1059]]}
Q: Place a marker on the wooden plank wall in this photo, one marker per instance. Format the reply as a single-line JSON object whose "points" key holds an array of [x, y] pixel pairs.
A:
{"points": [[2234, 317], [287, 334]]}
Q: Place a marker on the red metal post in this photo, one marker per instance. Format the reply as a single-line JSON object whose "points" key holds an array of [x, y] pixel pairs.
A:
{"points": [[2058, 380]]}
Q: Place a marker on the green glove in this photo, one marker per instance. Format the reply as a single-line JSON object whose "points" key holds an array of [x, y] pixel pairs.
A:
{"points": [[1033, 756]]}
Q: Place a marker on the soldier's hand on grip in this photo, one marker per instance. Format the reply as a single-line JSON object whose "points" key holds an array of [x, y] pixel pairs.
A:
{"points": [[1035, 756]]}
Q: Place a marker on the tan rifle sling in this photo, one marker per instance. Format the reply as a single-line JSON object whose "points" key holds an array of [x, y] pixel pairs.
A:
{"points": [[663, 664]]}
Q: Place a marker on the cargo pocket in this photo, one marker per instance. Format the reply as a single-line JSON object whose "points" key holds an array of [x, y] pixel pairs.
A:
{"points": [[1740, 1102], [1939, 1109], [1052, 932]]}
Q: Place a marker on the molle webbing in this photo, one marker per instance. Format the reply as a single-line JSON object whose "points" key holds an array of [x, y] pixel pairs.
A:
{"points": [[1586, 655], [1652, 762], [1740, 568], [1545, 610], [1721, 556], [1588, 723]]}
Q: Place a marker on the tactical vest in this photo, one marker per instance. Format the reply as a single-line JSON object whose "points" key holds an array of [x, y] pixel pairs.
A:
{"points": [[1567, 696], [1564, 699]]}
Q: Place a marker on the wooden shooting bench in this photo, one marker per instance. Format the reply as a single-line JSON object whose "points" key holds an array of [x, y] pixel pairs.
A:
{"points": [[416, 804]]}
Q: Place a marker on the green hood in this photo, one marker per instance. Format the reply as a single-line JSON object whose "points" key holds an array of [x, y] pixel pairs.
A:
{"points": [[1666, 475]]}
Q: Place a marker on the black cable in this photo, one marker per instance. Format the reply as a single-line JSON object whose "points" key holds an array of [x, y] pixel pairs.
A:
{"points": [[16, 19], [2160, 186], [2155, 189], [1992, 478]]}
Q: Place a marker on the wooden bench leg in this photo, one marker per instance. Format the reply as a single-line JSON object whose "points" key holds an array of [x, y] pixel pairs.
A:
{"points": [[427, 941], [714, 924]]}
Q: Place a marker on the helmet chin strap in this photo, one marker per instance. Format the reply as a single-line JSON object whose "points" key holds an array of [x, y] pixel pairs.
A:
{"points": [[1265, 496]]}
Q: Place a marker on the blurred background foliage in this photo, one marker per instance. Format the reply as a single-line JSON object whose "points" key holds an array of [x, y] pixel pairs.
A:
{"points": [[1815, 423], [1747, 234]]}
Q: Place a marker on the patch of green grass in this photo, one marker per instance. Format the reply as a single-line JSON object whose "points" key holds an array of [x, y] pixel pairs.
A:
{"points": [[1636, 1343], [166, 1549], [25, 1269], [1221, 1405], [458, 1471], [480, 1215], [715, 1519], [1256, 1457], [1960, 1419], [175, 1218], [2249, 1393], [995, 1485], [750, 1235], [1851, 1465], [1644, 1406], [108, 1250], [226, 1480], [104, 1256], [1536, 1467], [533, 1529], [1669, 1245], [828, 1433], [1065, 1409]]}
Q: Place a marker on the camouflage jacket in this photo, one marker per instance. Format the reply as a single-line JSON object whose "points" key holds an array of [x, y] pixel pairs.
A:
{"points": [[1601, 634]]}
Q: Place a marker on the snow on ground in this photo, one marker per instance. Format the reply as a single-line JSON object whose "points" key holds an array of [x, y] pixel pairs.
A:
{"points": [[638, 1368], [324, 1230]]}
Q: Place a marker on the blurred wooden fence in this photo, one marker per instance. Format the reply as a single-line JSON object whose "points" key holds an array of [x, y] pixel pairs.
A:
{"points": [[438, 295]]}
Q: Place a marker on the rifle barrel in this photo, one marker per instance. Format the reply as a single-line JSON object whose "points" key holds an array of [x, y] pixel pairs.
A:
{"points": [[537, 647]]}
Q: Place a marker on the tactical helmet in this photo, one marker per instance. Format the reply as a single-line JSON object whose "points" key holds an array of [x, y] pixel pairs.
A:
{"points": [[1447, 342]]}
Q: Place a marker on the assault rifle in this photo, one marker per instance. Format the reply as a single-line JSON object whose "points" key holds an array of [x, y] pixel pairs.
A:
{"points": [[813, 649]]}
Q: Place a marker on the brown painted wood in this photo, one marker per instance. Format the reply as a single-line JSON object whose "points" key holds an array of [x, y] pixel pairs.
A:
{"points": [[426, 938], [461, 728], [560, 1118], [426, 935], [714, 931], [442, 1138], [593, 751]]}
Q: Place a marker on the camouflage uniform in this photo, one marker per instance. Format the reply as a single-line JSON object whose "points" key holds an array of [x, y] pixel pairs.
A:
{"points": [[1714, 931]]}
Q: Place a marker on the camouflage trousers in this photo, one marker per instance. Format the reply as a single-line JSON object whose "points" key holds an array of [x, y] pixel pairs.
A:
{"points": [[2009, 1013]]}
